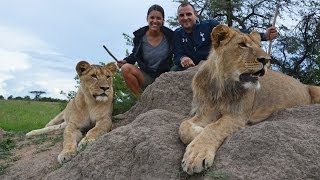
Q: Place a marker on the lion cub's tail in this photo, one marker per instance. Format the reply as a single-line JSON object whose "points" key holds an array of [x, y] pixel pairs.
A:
{"points": [[314, 92], [46, 129], [56, 123]]}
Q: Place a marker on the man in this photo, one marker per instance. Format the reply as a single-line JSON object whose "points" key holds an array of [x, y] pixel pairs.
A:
{"points": [[192, 41]]}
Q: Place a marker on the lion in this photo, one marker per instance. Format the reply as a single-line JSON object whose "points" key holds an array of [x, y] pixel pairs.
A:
{"points": [[232, 89], [88, 115]]}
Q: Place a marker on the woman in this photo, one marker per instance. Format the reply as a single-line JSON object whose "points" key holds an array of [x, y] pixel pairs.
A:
{"points": [[153, 51]]}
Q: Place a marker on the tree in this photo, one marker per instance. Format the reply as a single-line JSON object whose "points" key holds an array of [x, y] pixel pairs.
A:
{"points": [[1, 97], [123, 98], [37, 94], [26, 98], [298, 52]]}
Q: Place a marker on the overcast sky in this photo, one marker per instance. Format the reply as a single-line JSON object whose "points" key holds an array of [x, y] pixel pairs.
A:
{"points": [[41, 41]]}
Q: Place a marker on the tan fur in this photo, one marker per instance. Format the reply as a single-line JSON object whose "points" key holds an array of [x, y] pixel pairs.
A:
{"points": [[90, 111], [224, 103]]}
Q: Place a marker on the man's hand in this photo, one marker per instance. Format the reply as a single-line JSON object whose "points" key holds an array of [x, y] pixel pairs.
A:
{"points": [[186, 62], [120, 63], [271, 33]]}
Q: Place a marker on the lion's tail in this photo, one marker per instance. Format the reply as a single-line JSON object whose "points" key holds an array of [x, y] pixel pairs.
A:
{"points": [[46, 129], [57, 120], [314, 92]]}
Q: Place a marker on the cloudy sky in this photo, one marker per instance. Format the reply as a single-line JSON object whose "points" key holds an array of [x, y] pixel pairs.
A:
{"points": [[41, 41]]}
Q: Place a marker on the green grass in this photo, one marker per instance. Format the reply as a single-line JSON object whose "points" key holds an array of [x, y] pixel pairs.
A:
{"points": [[24, 116], [6, 145]]}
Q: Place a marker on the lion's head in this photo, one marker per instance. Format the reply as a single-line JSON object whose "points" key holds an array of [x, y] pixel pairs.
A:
{"points": [[238, 56], [95, 80]]}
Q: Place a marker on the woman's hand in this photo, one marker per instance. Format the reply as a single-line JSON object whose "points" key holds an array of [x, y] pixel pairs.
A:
{"points": [[120, 63]]}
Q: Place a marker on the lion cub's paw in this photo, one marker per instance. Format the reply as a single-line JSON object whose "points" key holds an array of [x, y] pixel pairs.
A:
{"points": [[197, 157], [84, 143], [66, 156]]}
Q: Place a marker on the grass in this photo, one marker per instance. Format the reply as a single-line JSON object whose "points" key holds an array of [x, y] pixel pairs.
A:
{"points": [[6, 145], [24, 116]]}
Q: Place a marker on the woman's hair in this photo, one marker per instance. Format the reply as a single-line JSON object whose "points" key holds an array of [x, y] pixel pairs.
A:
{"points": [[156, 7]]}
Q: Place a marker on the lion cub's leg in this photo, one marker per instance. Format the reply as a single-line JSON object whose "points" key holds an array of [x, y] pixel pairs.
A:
{"points": [[102, 126], [190, 128], [71, 137], [201, 151]]}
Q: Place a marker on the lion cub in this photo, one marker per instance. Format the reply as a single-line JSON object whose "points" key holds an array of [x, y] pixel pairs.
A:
{"points": [[231, 89], [90, 111]]}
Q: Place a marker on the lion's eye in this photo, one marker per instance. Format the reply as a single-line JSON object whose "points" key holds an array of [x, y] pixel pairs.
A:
{"points": [[94, 76], [108, 76], [242, 44]]}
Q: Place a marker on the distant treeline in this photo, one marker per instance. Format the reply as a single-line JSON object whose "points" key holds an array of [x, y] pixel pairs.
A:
{"points": [[27, 98]]}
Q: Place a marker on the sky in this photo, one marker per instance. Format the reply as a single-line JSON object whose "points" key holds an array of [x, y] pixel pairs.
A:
{"points": [[41, 41]]}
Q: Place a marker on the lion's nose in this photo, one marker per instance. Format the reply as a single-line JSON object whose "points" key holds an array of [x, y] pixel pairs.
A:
{"points": [[104, 88], [264, 61]]}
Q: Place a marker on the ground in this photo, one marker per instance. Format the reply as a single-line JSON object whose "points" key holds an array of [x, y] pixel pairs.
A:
{"points": [[18, 152]]}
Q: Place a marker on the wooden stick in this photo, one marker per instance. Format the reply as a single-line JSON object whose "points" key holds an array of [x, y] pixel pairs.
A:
{"points": [[110, 53], [270, 41], [273, 24]]}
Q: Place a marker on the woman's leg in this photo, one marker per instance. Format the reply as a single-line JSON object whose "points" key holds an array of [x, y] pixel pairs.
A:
{"points": [[133, 77]]}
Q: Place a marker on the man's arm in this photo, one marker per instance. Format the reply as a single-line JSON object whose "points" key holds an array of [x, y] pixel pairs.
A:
{"points": [[177, 50]]}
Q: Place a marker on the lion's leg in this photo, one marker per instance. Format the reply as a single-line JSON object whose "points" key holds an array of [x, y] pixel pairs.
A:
{"points": [[71, 137], [101, 127], [56, 120], [314, 92], [201, 151], [191, 128]]}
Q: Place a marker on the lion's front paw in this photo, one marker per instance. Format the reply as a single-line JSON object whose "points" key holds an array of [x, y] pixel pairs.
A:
{"points": [[66, 156], [197, 157], [84, 143]]}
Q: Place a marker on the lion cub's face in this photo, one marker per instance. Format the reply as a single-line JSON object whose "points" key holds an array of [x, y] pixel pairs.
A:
{"points": [[242, 59], [97, 80]]}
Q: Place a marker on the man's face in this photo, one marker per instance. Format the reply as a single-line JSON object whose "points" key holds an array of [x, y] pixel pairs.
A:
{"points": [[187, 17]]}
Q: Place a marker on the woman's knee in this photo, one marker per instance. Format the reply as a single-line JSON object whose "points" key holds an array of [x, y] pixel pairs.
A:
{"points": [[126, 68]]}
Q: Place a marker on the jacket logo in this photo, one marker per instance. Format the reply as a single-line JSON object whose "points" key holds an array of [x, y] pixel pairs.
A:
{"points": [[184, 40], [202, 36]]}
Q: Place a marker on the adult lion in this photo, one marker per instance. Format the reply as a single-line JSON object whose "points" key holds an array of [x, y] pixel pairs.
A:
{"points": [[89, 112], [232, 89]]}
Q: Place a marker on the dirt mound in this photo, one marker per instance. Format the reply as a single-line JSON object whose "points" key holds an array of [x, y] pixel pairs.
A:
{"points": [[145, 144]]}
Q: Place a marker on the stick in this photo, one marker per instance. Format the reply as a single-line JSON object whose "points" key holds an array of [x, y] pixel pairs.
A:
{"points": [[273, 24], [110, 54], [270, 42]]}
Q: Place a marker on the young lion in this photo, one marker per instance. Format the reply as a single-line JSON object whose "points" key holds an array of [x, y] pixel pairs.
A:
{"points": [[90, 111], [232, 89]]}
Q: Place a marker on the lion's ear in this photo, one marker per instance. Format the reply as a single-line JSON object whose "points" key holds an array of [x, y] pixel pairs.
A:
{"points": [[112, 67], [81, 67], [220, 34], [255, 37]]}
